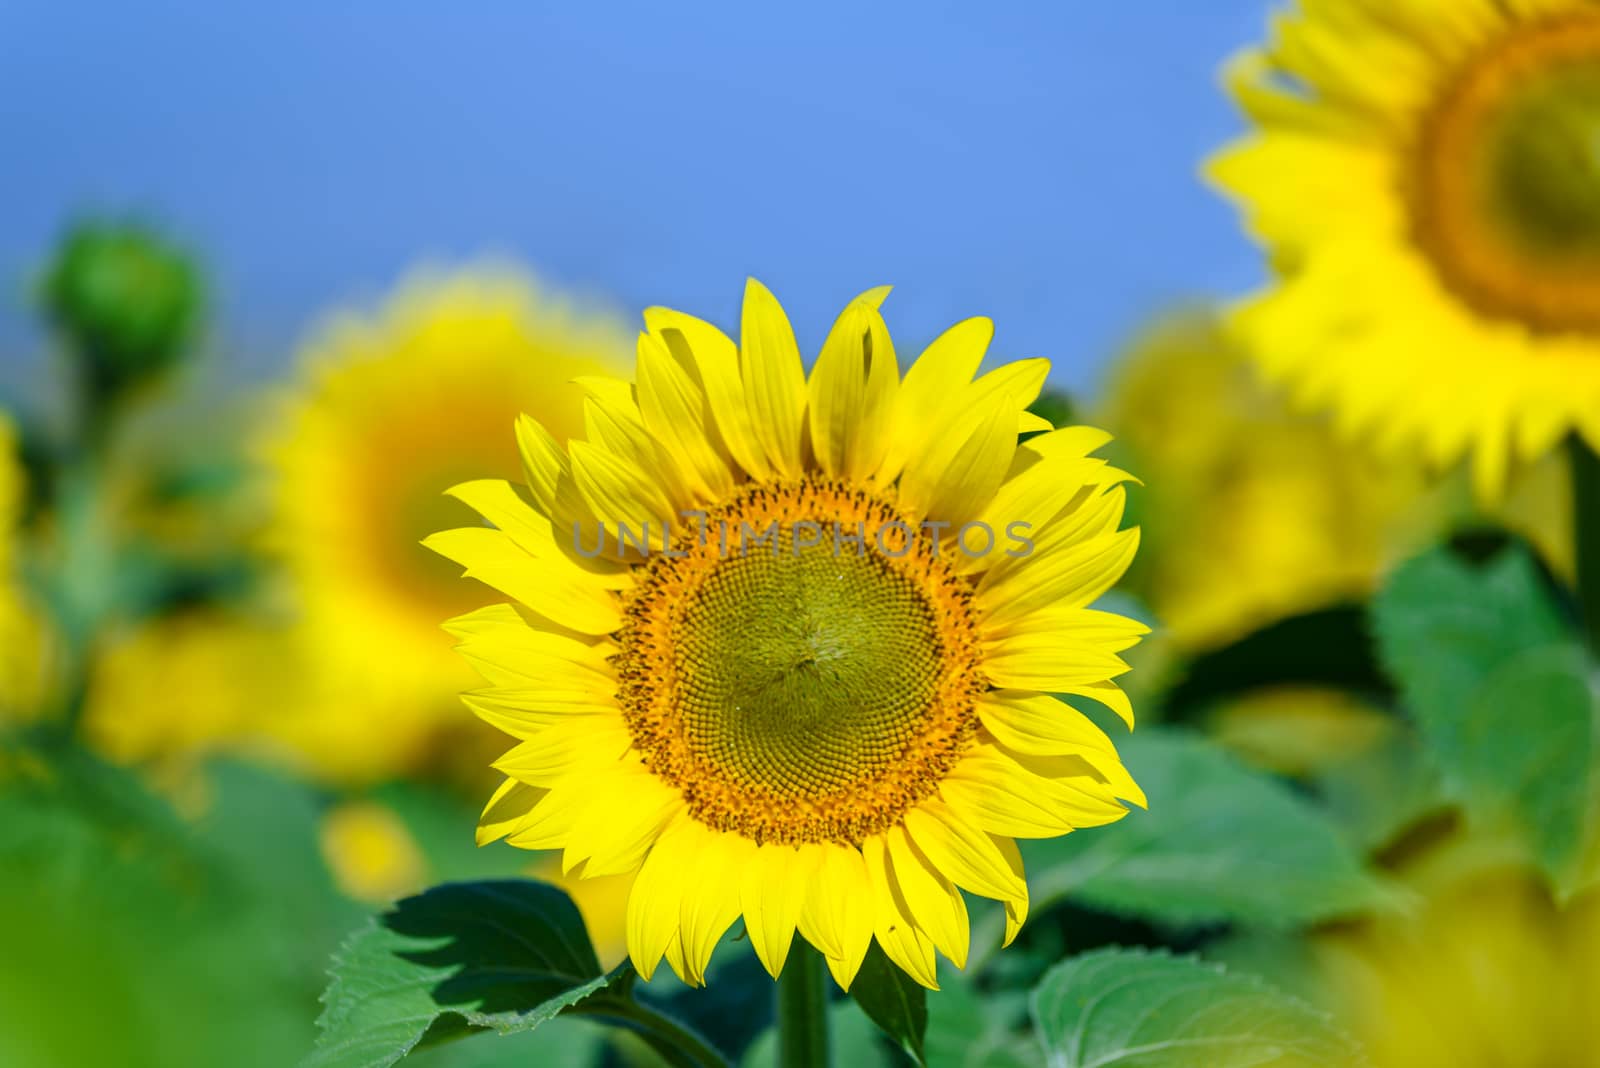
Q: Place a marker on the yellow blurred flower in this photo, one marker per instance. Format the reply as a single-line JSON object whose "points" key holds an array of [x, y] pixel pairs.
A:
{"points": [[23, 644], [1295, 730], [371, 853], [1488, 972], [1425, 179], [1251, 512], [172, 689], [1538, 506], [392, 409]]}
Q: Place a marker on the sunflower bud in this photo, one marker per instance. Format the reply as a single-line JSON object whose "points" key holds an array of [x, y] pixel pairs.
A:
{"points": [[126, 301]]}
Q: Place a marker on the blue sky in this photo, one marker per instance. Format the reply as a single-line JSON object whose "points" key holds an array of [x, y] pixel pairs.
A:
{"points": [[1035, 163]]}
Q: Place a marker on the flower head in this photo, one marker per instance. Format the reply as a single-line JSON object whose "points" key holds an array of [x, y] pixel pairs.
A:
{"points": [[391, 410], [1255, 512], [1426, 181], [786, 646]]}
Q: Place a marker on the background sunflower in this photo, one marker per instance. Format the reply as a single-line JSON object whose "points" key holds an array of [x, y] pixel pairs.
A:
{"points": [[1434, 219], [391, 410]]}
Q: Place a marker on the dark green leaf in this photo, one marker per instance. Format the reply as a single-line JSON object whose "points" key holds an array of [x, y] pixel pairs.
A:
{"points": [[892, 1000], [507, 955], [1120, 1008]]}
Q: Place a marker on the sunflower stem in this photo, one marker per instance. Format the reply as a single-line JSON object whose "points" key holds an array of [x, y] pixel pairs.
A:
{"points": [[1586, 533], [802, 1010], [677, 1044]]}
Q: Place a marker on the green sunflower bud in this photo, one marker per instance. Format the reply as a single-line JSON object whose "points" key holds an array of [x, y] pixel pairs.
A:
{"points": [[126, 301]]}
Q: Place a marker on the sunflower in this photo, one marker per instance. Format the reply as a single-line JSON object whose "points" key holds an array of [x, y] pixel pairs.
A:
{"points": [[1426, 180], [391, 409], [167, 691], [787, 647], [1488, 969], [1257, 512], [371, 853]]}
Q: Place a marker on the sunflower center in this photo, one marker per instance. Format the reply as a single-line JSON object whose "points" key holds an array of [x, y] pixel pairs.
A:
{"points": [[1507, 196], [804, 670], [811, 670]]}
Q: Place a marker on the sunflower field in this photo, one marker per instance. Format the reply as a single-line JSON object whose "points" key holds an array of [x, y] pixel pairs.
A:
{"points": [[490, 576]]}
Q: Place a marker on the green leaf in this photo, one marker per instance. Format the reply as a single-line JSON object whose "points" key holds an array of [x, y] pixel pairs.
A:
{"points": [[892, 1000], [1123, 1008], [1526, 744], [1443, 625], [112, 907], [1498, 688], [1219, 842], [970, 1030], [507, 955]]}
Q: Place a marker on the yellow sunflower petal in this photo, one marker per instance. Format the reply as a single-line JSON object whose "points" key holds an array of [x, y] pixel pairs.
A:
{"points": [[508, 806], [616, 493], [523, 713], [565, 596], [717, 358], [772, 894], [628, 807], [852, 392], [930, 897], [544, 461], [893, 927], [566, 748], [837, 917], [1039, 725], [1073, 578], [676, 414], [707, 913], [966, 854], [775, 382], [550, 821], [957, 475], [1016, 907], [932, 388]]}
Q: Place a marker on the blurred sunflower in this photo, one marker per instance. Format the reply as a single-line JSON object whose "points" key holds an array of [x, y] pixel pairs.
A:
{"points": [[1254, 512], [22, 639], [370, 852], [169, 690], [1488, 971], [1426, 180], [391, 410], [830, 729]]}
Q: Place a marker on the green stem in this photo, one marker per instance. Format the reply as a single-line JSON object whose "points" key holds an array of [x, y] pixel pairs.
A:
{"points": [[80, 582], [1586, 533], [85, 567], [802, 1010], [674, 1041]]}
